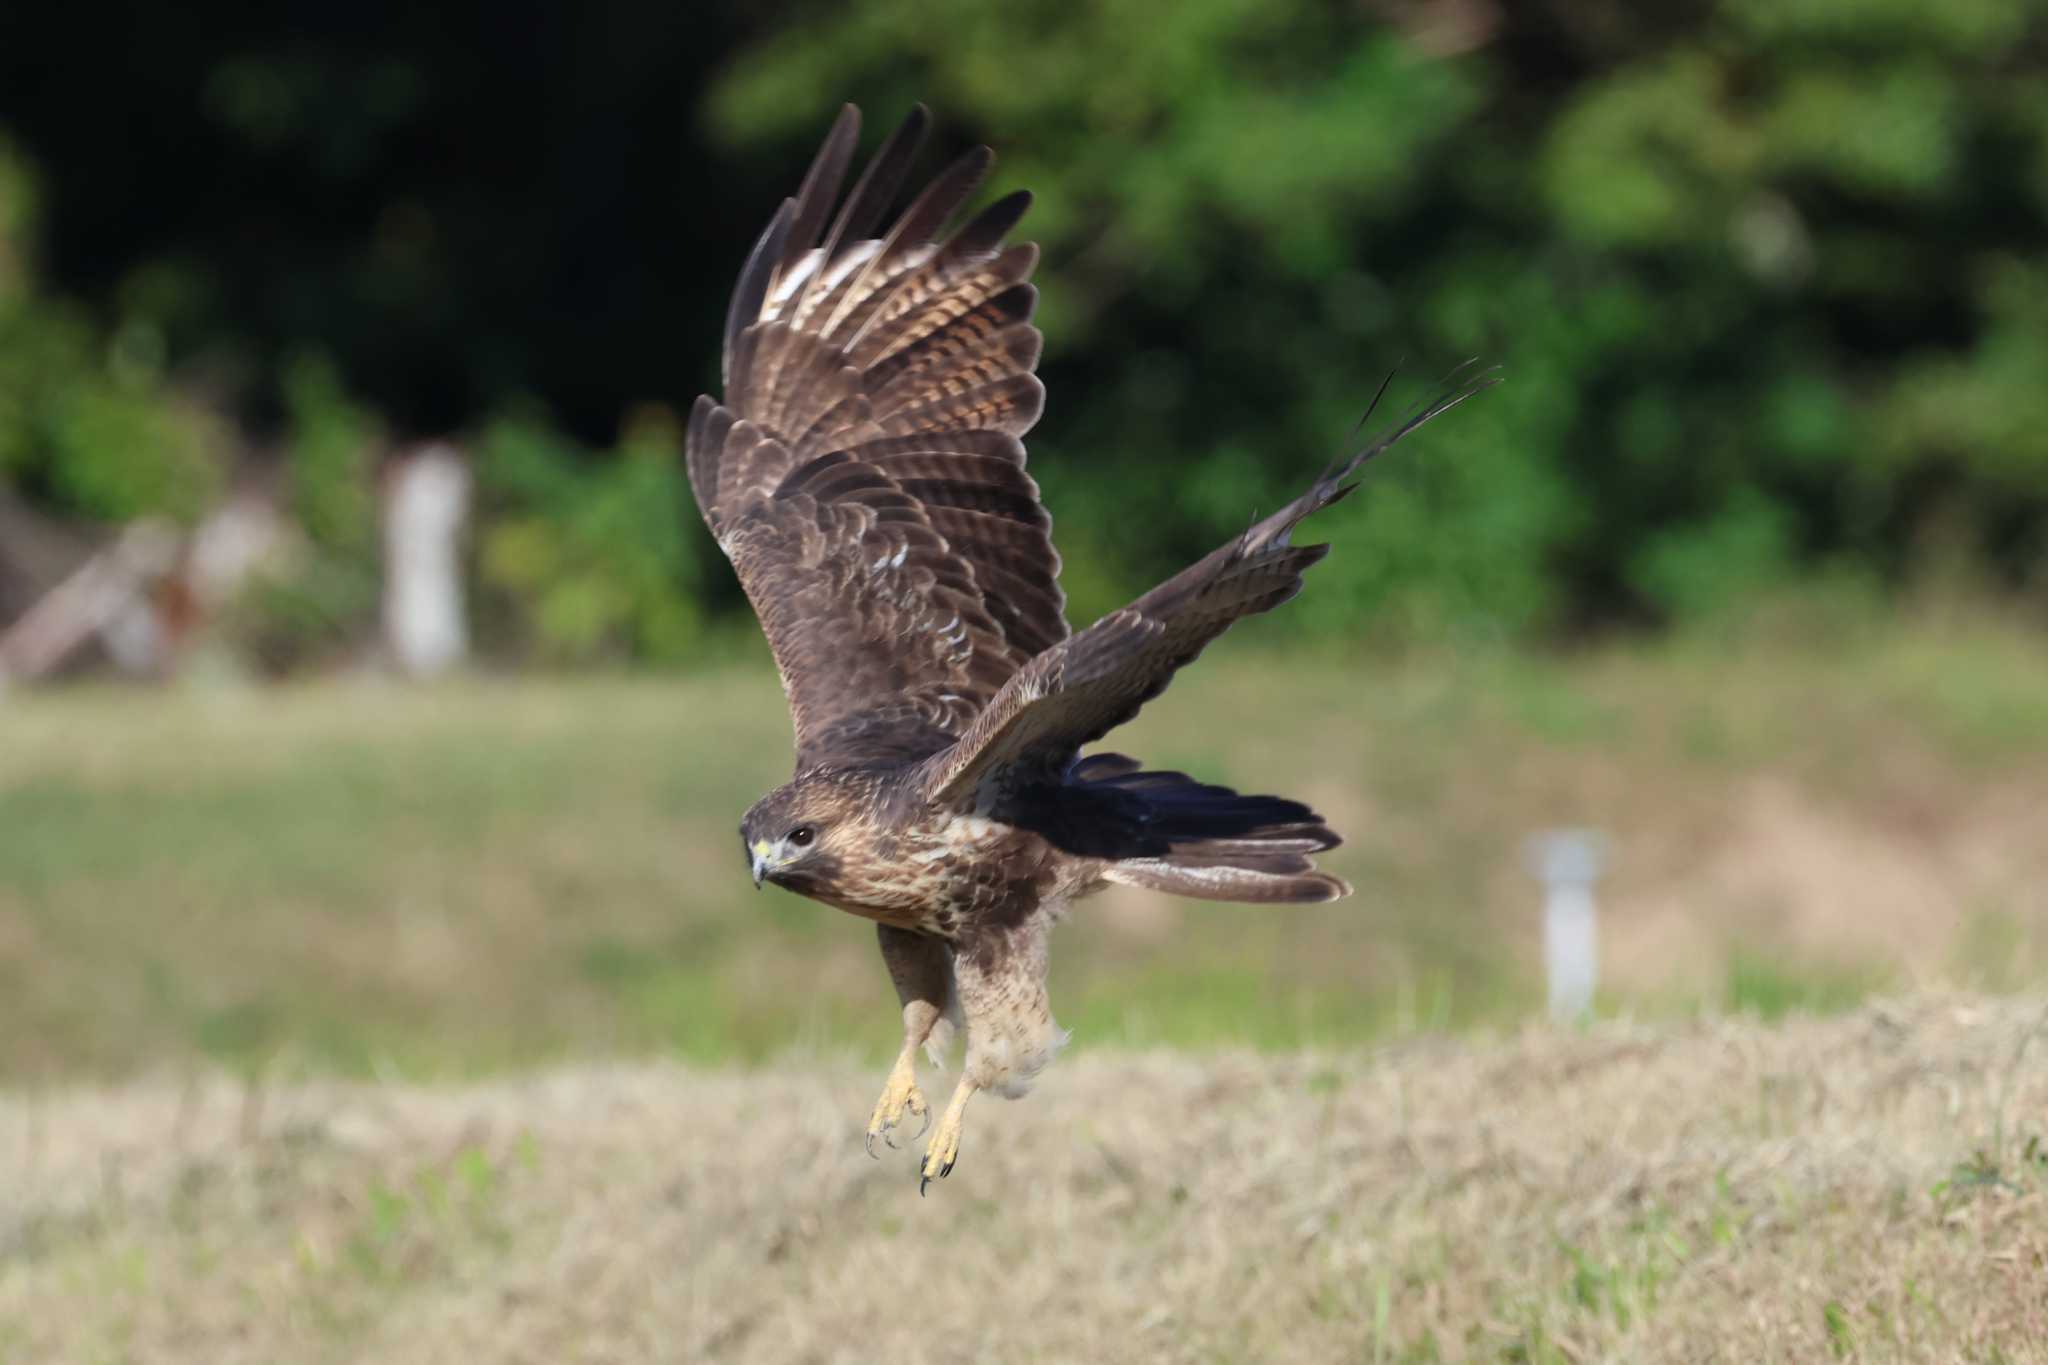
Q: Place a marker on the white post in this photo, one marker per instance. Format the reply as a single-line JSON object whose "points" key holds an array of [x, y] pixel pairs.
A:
{"points": [[424, 511], [1569, 862]]}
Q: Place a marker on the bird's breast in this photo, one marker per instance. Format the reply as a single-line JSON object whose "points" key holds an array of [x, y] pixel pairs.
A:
{"points": [[949, 873]]}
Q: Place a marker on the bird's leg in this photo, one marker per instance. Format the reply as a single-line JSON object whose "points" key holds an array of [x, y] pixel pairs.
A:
{"points": [[1000, 977], [899, 1091], [944, 1148], [922, 968]]}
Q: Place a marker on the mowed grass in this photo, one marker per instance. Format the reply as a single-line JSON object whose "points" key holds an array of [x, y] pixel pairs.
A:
{"points": [[366, 879], [1870, 1186]]}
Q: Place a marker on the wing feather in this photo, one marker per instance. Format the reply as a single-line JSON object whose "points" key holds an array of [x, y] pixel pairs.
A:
{"points": [[979, 346], [864, 472], [1080, 689], [814, 199], [752, 290], [910, 240], [1012, 403], [935, 293]]}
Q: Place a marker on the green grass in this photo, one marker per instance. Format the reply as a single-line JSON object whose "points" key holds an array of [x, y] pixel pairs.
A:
{"points": [[369, 879], [1773, 987]]}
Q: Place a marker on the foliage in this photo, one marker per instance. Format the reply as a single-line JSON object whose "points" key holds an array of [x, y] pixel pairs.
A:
{"points": [[1767, 280], [331, 461], [321, 600], [591, 560], [87, 425]]}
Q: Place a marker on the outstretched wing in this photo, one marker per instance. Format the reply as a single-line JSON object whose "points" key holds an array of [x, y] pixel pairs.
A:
{"points": [[864, 473], [1085, 687]]}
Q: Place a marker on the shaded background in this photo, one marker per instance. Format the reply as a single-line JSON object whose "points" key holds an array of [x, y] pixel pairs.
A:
{"points": [[1768, 277], [1747, 561]]}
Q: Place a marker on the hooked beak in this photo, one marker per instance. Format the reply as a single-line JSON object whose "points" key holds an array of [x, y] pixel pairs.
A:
{"points": [[761, 851]]}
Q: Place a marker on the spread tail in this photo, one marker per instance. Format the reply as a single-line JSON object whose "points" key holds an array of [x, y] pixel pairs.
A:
{"points": [[1212, 843]]}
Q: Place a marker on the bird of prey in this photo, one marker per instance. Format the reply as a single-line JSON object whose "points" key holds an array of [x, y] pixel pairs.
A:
{"points": [[865, 475]]}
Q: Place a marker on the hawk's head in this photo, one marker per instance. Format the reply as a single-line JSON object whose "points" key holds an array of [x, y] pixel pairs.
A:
{"points": [[800, 835]]}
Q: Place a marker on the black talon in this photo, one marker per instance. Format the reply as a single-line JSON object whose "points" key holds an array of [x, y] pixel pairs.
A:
{"points": [[869, 1143], [922, 1181]]}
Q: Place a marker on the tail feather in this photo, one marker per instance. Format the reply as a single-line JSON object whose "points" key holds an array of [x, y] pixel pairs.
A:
{"points": [[1245, 885], [1212, 843]]}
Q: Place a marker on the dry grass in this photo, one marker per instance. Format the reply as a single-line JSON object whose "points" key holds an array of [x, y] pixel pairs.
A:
{"points": [[1868, 1187]]}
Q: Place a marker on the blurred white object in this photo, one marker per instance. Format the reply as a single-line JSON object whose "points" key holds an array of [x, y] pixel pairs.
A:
{"points": [[425, 509], [99, 593], [1569, 862], [236, 539], [147, 593]]}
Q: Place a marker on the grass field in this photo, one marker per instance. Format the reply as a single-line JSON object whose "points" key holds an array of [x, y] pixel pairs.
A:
{"points": [[1871, 1186], [356, 1022], [370, 880]]}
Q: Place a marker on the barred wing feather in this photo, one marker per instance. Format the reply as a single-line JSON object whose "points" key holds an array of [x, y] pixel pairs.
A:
{"points": [[865, 472]]}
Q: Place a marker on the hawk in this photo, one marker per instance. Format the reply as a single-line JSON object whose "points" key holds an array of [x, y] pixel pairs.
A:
{"points": [[865, 475]]}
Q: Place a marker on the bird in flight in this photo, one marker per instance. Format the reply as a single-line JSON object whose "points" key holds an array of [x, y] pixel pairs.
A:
{"points": [[865, 475]]}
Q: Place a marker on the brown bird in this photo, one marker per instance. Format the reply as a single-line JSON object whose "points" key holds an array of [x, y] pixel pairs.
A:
{"points": [[866, 478]]}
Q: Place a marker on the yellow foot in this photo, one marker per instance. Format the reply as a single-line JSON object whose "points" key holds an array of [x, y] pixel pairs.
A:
{"points": [[899, 1093], [944, 1148]]}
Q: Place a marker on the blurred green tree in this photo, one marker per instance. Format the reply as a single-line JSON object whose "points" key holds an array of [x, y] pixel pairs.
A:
{"points": [[583, 564], [313, 605], [87, 424], [1764, 278], [1768, 280]]}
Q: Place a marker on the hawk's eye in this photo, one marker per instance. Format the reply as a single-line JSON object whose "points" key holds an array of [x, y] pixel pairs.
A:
{"points": [[801, 836]]}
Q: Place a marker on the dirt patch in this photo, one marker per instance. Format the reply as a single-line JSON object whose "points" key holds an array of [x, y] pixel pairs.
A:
{"points": [[1785, 869]]}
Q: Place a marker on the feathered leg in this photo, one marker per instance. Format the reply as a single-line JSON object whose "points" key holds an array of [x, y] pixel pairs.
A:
{"points": [[922, 968], [1000, 977]]}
